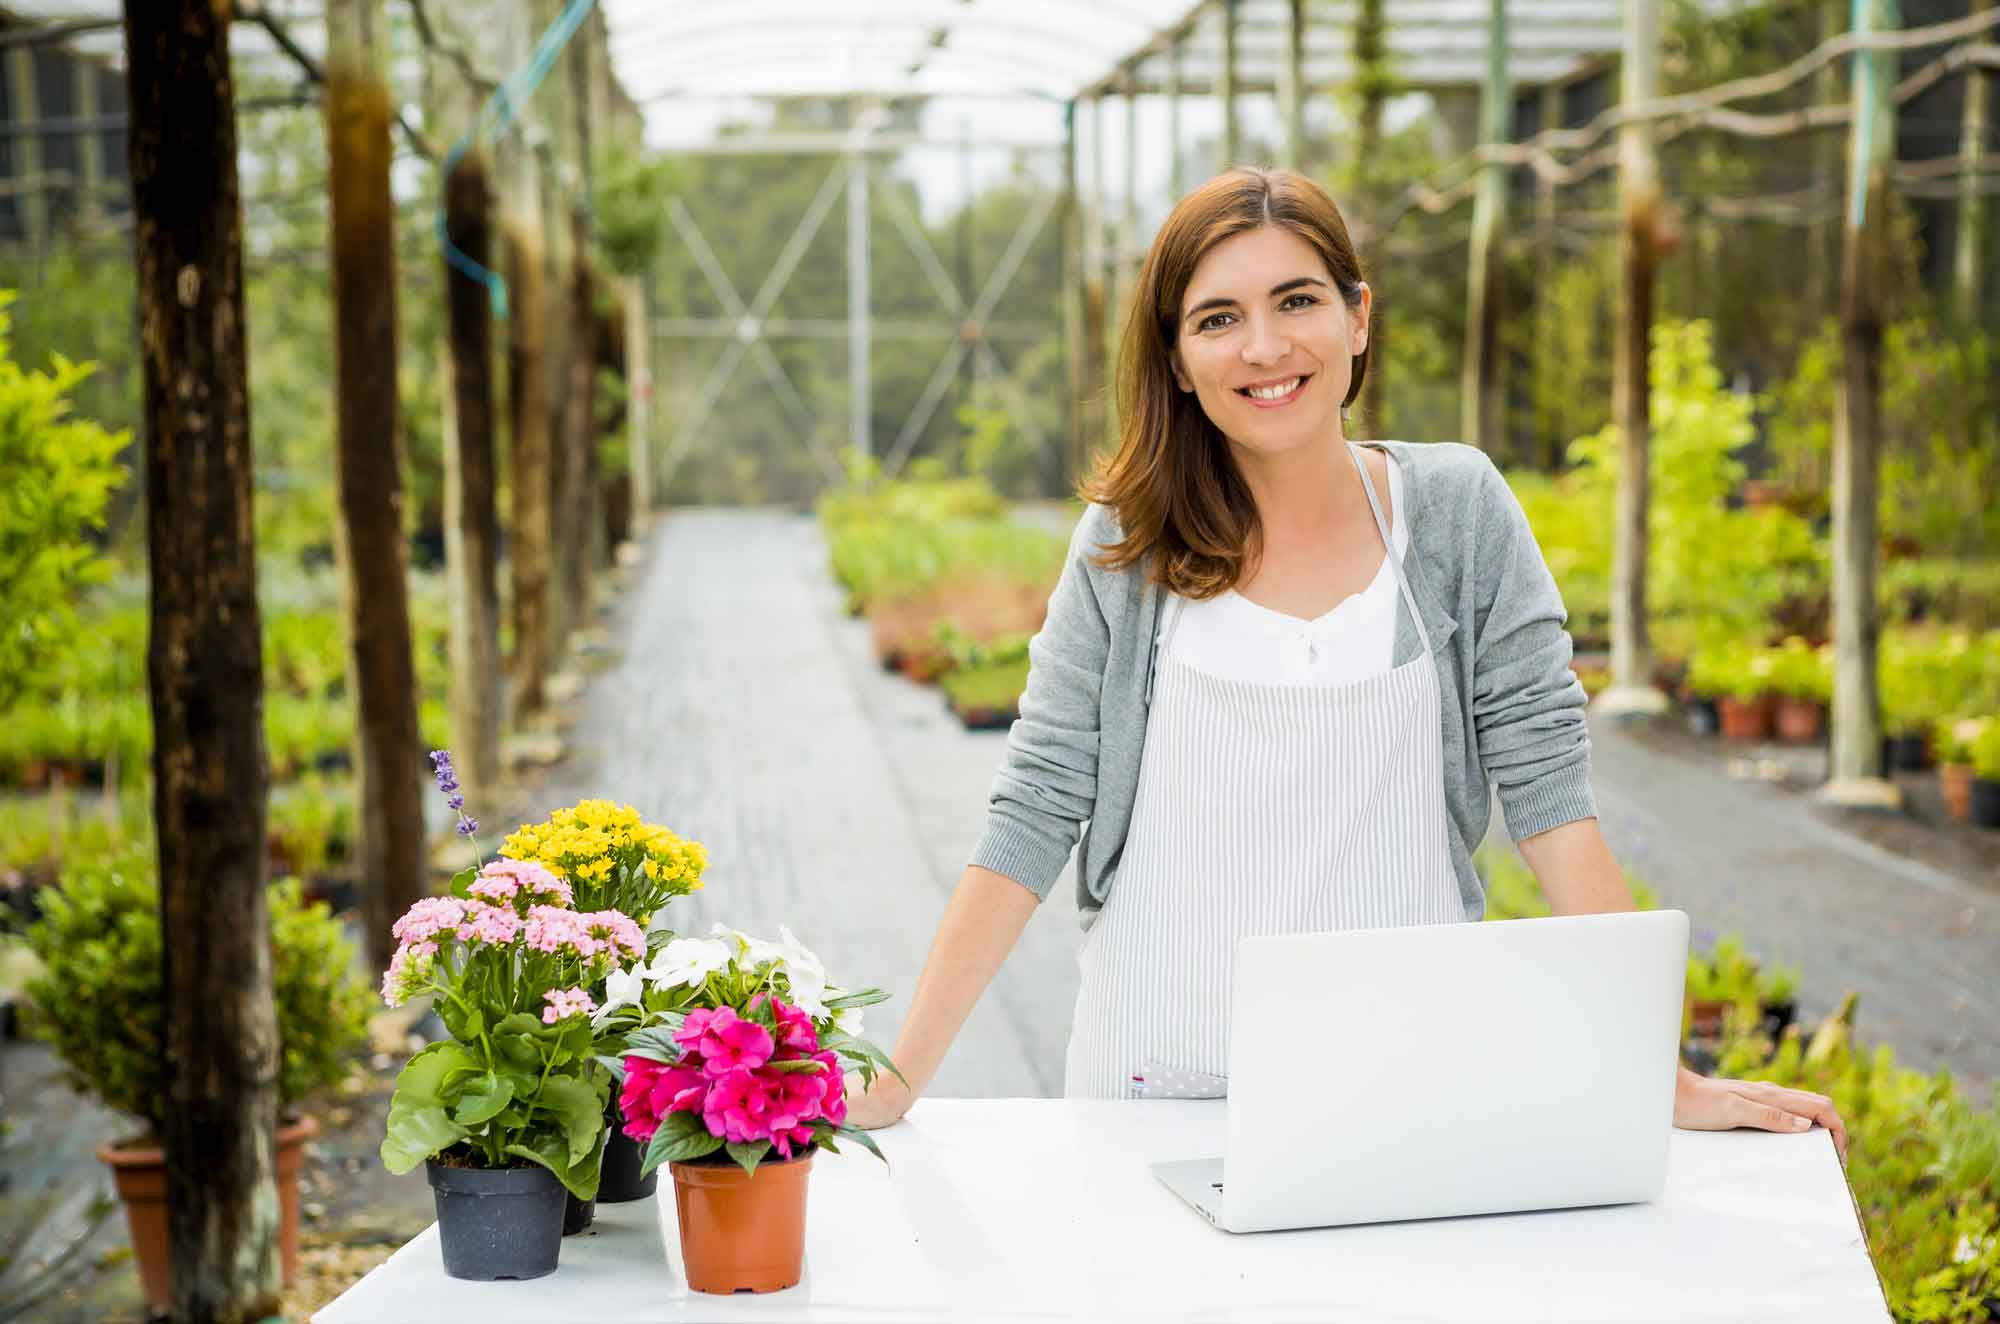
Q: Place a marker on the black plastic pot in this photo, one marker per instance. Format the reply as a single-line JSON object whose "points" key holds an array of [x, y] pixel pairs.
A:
{"points": [[1986, 802], [498, 1222], [1910, 753], [577, 1214], [620, 1182], [1701, 718]]}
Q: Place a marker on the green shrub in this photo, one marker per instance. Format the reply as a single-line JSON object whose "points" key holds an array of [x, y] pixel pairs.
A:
{"points": [[97, 1000], [1986, 751], [1800, 671], [991, 685]]}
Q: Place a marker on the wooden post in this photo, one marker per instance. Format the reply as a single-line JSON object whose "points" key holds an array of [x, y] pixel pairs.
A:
{"points": [[1631, 689], [368, 468], [554, 102], [1371, 67], [471, 520], [1231, 142], [1075, 295], [1547, 450], [1968, 267], [583, 517], [1479, 378], [1291, 86], [89, 144], [24, 109], [1129, 256], [1823, 238], [639, 409], [1856, 730], [1097, 314], [204, 665], [528, 400]]}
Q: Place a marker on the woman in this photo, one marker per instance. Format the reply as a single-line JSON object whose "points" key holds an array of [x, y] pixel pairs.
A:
{"points": [[1278, 675]]}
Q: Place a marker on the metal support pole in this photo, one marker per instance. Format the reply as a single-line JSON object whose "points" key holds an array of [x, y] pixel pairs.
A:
{"points": [[1128, 229], [25, 110], [860, 401], [1176, 182], [1227, 90], [1291, 85], [89, 146], [1968, 271], [1073, 298]]}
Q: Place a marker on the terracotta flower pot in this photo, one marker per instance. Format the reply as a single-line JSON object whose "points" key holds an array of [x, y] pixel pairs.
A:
{"points": [[1799, 721], [1745, 719], [1705, 1017], [1955, 781], [741, 1231], [141, 1178]]}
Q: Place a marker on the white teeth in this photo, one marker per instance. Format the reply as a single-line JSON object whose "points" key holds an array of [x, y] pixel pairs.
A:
{"points": [[1277, 392]]}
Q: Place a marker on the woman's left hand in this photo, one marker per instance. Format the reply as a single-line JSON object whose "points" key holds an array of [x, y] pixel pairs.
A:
{"points": [[1703, 1103]]}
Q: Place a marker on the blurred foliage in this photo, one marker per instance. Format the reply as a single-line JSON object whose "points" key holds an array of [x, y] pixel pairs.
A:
{"points": [[61, 471]]}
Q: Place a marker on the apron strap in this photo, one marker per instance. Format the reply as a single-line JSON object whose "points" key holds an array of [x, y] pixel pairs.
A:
{"points": [[1388, 544], [1165, 645]]}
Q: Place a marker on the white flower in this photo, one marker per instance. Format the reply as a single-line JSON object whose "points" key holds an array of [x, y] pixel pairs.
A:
{"points": [[688, 961], [848, 1021], [621, 989]]}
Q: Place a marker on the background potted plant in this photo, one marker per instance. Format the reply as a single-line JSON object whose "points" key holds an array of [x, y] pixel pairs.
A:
{"points": [[1802, 676], [97, 1001], [1954, 739], [1744, 698], [1986, 775], [1911, 679], [733, 1051], [615, 860]]}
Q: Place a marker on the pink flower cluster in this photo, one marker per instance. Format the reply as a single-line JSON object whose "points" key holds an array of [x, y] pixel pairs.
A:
{"points": [[550, 929], [506, 882], [421, 924], [724, 1074], [566, 1002]]}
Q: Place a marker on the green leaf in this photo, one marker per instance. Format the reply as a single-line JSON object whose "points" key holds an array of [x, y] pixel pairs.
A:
{"points": [[415, 1132], [867, 997], [655, 1044], [682, 1138], [614, 1065], [749, 1154], [860, 1050], [795, 1066], [576, 1108], [483, 1099], [867, 1141], [423, 1078]]}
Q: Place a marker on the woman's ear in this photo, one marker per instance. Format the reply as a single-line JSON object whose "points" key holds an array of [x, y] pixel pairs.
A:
{"points": [[1363, 317], [1180, 372]]}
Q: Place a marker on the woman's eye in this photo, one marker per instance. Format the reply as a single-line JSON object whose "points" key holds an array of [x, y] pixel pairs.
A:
{"points": [[1299, 301], [1212, 321]]}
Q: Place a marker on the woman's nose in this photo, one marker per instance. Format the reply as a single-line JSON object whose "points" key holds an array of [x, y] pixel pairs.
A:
{"points": [[1264, 343]]}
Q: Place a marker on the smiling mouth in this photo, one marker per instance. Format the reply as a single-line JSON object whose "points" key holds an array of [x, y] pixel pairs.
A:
{"points": [[1276, 393]]}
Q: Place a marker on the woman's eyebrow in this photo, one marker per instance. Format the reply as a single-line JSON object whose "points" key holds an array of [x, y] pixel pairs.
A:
{"points": [[1276, 290]]}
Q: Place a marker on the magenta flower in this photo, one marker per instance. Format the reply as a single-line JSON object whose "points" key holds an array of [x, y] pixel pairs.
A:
{"points": [[635, 1098], [833, 1088], [784, 1140], [795, 1027], [738, 1107], [725, 1041], [680, 1089]]}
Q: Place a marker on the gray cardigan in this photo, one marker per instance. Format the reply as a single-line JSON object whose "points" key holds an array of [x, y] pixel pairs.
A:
{"points": [[1510, 710]]}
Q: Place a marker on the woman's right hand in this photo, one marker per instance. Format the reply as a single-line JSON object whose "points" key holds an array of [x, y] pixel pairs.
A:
{"points": [[882, 1104]]}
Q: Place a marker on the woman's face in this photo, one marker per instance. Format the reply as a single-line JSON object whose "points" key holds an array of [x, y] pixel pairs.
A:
{"points": [[1266, 343]]}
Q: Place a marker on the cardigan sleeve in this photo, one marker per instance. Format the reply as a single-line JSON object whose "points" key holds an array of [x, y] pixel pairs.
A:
{"points": [[1527, 705], [1047, 783]]}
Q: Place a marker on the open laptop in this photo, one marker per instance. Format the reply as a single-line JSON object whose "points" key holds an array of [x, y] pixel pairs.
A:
{"points": [[1434, 1071]]}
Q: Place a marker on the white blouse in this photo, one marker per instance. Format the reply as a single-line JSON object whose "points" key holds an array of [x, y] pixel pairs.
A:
{"points": [[1231, 637]]}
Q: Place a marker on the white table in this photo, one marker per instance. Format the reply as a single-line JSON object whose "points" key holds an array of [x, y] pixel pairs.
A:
{"points": [[1009, 1209]]}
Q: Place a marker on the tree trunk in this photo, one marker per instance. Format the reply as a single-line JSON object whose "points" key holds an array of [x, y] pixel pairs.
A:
{"points": [[368, 469], [639, 407], [471, 529], [1857, 715], [204, 665], [1479, 378], [528, 405], [584, 515], [1968, 268], [1371, 61], [1639, 220]]}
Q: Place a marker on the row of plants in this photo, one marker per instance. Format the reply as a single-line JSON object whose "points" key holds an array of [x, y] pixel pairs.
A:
{"points": [[86, 722], [1923, 1160], [951, 587], [1940, 692]]}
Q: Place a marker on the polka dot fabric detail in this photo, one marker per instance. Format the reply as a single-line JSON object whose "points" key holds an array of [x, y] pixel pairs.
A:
{"points": [[1155, 1081]]}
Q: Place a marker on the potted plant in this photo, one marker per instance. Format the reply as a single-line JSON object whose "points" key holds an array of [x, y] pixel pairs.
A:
{"points": [[732, 1055], [1986, 775], [1802, 676], [1745, 698], [1777, 992], [507, 1114], [1955, 739], [1706, 679], [1909, 677], [98, 1003], [615, 861]]}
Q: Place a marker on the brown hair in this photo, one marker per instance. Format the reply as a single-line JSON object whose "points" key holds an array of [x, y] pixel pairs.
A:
{"points": [[1181, 502]]}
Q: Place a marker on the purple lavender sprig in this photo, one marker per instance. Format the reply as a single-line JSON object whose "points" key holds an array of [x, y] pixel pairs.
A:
{"points": [[447, 780]]}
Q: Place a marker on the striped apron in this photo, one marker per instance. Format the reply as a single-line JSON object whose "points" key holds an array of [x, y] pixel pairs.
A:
{"points": [[1261, 809]]}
